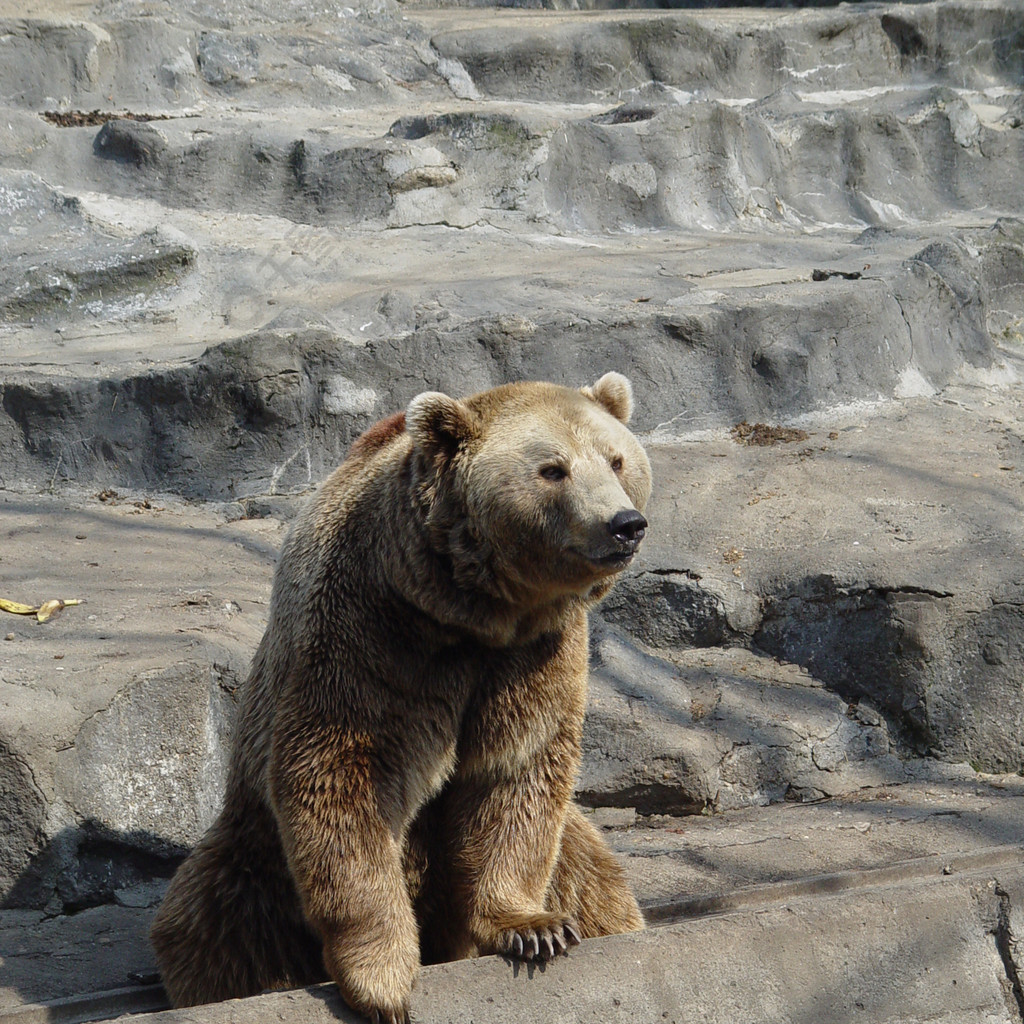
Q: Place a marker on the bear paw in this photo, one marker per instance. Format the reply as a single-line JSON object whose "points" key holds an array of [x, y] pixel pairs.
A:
{"points": [[539, 938]]}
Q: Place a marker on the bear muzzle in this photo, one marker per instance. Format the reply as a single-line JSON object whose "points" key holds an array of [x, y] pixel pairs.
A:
{"points": [[628, 527], [623, 534]]}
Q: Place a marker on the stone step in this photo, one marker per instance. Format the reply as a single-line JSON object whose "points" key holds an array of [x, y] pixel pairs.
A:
{"points": [[613, 54], [930, 951], [738, 332], [938, 947], [174, 59], [791, 161], [164, 58], [912, 838]]}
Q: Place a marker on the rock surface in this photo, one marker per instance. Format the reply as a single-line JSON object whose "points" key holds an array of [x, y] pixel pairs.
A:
{"points": [[233, 235], [742, 861], [117, 714]]}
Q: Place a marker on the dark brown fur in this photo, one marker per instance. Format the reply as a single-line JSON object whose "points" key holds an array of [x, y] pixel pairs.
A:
{"points": [[401, 781], [380, 434]]}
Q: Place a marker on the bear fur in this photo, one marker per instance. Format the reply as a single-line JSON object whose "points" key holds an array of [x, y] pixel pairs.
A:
{"points": [[409, 735]]}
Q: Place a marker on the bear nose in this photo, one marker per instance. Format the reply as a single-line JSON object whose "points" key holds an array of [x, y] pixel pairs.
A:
{"points": [[628, 526]]}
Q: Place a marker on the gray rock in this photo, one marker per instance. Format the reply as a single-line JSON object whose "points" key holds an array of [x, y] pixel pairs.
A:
{"points": [[78, 64], [25, 811], [116, 716], [153, 763], [936, 663], [140, 144], [58, 266], [225, 59], [857, 545], [717, 729], [675, 608]]}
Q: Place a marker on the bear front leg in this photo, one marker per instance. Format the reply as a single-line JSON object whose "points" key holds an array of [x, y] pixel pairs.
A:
{"points": [[589, 884], [506, 834], [505, 807], [347, 868]]}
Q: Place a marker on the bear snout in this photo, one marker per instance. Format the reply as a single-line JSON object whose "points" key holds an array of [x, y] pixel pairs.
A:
{"points": [[619, 538], [628, 527]]}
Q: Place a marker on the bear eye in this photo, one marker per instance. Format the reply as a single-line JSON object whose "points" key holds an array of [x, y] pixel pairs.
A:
{"points": [[617, 464], [553, 473]]}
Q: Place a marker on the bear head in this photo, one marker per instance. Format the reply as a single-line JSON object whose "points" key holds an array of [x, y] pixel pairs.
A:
{"points": [[535, 492]]}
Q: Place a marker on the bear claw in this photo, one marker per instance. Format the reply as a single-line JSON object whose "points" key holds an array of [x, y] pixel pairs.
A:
{"points": [[544, 943]]}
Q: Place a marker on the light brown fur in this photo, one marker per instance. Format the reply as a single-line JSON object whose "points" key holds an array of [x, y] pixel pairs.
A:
{"points": [[401, 781]]}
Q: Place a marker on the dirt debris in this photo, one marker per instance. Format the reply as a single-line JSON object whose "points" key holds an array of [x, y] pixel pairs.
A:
{"points": [[763, 434], [91, 118]]}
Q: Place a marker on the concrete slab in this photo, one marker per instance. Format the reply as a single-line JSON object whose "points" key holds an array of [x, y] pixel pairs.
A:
{"points": [[898, 839], [922, 950]]}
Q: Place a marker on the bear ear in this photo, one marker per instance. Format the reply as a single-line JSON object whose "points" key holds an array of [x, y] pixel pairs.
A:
{"points": [[438, 424], [615, 393]]}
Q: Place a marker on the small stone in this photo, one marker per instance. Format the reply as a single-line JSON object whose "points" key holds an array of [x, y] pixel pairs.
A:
{"points": [[613, 817]]}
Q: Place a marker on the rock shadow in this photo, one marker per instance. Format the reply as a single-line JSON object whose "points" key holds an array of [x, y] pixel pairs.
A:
{"points": [[76, 923]]}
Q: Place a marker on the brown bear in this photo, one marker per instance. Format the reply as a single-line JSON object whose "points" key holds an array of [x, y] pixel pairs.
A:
{"points": [[401, 778]]}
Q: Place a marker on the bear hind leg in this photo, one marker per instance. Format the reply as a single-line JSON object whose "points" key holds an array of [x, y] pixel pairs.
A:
{"points": [[228, 929]]}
